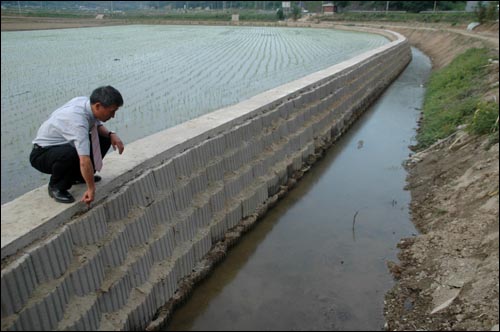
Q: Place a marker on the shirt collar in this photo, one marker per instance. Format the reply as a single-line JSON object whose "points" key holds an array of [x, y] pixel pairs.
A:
{"points": [[90, 115]]}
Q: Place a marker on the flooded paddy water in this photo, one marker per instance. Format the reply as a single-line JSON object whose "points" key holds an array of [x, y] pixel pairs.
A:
{"points": [[317, 261], [166, 74]]}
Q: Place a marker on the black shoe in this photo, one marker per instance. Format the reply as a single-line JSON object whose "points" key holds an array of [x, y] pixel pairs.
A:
{"points": [[97, 178], [62, 196]]}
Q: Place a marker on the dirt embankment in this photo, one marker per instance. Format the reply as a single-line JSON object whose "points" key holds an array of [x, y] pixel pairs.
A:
{"points": [[448, 276]]}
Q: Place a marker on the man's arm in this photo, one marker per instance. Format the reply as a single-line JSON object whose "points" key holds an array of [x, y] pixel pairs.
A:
{"points": [[87, 171], [116, 142]]}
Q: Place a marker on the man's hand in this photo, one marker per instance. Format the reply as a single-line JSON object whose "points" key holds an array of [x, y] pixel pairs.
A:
{"points": [[88, 175], [116, 142], [88, 197]]}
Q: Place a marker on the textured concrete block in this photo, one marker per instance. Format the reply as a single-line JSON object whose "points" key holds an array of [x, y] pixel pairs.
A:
{"points": [[297, 162], [139, 230], [140, 269], [89, 228], [267, 140], [163, 247], [248, 205], [184, 229], [282, 175], [275, 135], [115, 252], [118, 205], [262, 194], [218, 144], [257, 126], [165, 176], [234, 215], [280, 154], [217, 200], [246, 131], [244, 155], [88, 321], [163, 211], [88, 277], [199, 183], [246, 177], [271, 118], [52, 257], [306, 137], [183, 164], [286, 109], [231, 162], [233, 139], [283, 130], [294, 145], [142, 313], [201, 155], [232, 187], [115, 297], [17, 284], [46, 313], [184, 264], [202, 215], [317, 129], [202, 246], [51, 308], [273, 185], [164, 287], [292, 125], [31, 320], [183, 196], [215, 171], [256, 148], [307, 151], [258, 170], [218, 227], [143, 189], [297, 104]]}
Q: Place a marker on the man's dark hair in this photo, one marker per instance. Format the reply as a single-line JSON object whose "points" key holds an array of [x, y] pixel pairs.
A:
{"points": [[107, 96]]}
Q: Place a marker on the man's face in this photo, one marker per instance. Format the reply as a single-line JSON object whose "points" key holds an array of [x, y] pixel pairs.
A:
{"points": [[104, 113]]}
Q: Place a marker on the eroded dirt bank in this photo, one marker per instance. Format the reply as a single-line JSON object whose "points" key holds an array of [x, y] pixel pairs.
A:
{"points": [[448, 278], [448, 275]]}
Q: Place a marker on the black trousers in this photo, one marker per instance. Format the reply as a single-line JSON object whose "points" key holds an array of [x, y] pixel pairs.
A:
{"points": [[62, 162]]}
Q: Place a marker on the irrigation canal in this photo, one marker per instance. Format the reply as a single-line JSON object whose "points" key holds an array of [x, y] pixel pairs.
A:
{"points": [[317, 261]]}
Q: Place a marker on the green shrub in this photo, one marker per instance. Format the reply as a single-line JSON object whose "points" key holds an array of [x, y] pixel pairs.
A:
{"points": [[452, 99], [280, 15], [296, 13], [488, 12], [485, 119]]}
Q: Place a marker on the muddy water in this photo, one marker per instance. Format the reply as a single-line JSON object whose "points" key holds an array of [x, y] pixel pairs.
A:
{"points": [[317, 261]]}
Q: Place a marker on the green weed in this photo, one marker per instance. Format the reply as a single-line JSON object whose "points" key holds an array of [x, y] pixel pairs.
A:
{"points": [[453, 98]]}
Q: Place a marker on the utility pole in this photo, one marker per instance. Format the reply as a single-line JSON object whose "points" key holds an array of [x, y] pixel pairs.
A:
{"points": [[387, 7]]}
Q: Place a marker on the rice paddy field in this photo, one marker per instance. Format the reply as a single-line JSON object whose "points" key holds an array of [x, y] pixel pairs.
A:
{"points": [[166, 74]]}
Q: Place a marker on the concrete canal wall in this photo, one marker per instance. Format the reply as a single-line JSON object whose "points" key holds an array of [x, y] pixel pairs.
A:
{"points": [[170, 197]]}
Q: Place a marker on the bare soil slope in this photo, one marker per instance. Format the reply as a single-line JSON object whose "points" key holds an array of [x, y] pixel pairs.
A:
{"points": [[448, 277]]}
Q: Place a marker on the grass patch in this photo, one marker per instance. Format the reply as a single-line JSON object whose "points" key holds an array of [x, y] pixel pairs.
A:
{"points": [[453, 98], [450, 17]]}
